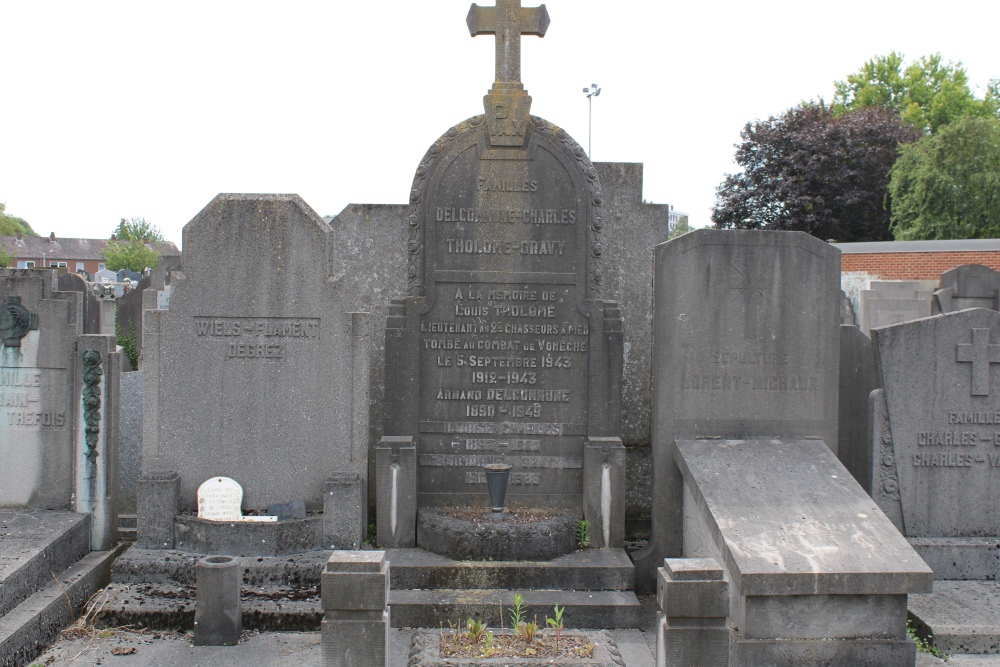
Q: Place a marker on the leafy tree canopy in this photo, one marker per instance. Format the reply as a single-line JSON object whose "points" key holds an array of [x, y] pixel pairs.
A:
{"points": [[947, 185], [11, 225], [136, 229], [813, 171], [129, 254], [927, 93], [682, 227]]}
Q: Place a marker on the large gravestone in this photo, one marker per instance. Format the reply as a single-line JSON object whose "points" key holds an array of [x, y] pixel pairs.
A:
{"points": [[746, 342], [261, 377], [936, 461], [967, 286], [507, 347]]}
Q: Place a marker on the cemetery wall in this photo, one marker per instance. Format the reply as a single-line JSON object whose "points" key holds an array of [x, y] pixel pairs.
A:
{"points": [[917, 260]]}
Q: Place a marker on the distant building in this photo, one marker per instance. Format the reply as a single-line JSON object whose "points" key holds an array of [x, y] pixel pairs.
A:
{"points": [[75, 254]]}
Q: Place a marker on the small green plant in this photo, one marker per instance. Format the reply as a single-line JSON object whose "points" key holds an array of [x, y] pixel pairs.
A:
{"points": [[476, 629], [527, 631], [517, 613], [489, 650], [923, 643], [128, 343], [370, 537], [583, 533], [556, 623]]}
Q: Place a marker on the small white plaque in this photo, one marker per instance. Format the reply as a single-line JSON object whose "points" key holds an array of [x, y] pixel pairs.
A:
{"points": [[220, 499]]}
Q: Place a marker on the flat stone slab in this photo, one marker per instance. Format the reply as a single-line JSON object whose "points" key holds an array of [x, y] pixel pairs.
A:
{"points": [[425, 651], [586, 569], [789, 519], [584, 609], [35, 544], [158, 566], [961, 616]]}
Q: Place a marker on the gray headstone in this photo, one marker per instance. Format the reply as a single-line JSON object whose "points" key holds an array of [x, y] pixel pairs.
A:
{"points": [[59, 395], [858, 378], [893, 301], [260, 377], [967, 286], [746, 342], [942, 394], [507, 347]]}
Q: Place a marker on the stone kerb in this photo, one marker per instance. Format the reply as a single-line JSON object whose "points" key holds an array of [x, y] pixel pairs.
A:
{"points": [[746, 342], [934, 438], [263, 376], [693, 597]]}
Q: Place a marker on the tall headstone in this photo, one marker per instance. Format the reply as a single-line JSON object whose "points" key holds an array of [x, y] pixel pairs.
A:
{"points": [[967, 286], [507, 346], [936, 431], [58, 404], [858, 378], [746, 342], [888, 302], [260, 377]]}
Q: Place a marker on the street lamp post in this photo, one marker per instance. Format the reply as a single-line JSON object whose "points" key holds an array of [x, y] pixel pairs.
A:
{"points": [[592, 91]]}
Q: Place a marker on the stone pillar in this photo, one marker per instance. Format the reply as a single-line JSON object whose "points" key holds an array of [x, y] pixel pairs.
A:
{"points": [[355, 593], [604, 491], [693, 594], [396, 492], [159, 499], [218, 615], [344, 511]]}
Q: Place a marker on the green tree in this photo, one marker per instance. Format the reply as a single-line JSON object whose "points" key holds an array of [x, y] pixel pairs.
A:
{"points": [[6, 257], [682, 227], [131, 255], [136, 229], [11, 225], [927, 93], [947, 185], [809, 170]]}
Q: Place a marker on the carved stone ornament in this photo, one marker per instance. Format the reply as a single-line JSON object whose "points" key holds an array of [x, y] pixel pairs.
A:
{"points": [[91, 401], [15, 321]]}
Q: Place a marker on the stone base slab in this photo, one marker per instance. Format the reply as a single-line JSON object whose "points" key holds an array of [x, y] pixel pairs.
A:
{"points": [[959, 616], [796, 652], [157, 566], [962, 558], [225, 538]]}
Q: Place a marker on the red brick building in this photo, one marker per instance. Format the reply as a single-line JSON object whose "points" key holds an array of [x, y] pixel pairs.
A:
{"points": [[916, 260], [75, 254]]}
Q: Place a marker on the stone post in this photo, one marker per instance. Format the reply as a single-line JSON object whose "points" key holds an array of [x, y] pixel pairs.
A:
{"points": [[355, 593], [159, 499], [218, 615], [604, 491], [344, 510], [693, 595]]}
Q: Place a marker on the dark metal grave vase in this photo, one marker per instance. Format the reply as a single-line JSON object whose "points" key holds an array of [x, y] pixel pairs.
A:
{"points": [[497, 475]]}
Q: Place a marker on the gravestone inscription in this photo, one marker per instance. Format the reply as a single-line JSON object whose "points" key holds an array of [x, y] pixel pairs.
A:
{"points": [[937, 457], [506, 348]]}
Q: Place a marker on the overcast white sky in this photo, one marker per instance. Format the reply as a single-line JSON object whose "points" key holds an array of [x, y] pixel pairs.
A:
{"points": [[149, 109]]}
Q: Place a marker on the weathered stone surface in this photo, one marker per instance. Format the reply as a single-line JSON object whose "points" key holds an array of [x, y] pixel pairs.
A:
{"points": [[261, 377], [942, 392], [967, 286], [37, 436], [130, 441], [888, 302], [746, 343], [961, 616], [344, 512], [497, 538], [858, 378], [801, 526], [355, 627]]}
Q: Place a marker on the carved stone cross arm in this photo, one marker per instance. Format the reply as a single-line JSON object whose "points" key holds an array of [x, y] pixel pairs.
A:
{"points": [[508, 21]]}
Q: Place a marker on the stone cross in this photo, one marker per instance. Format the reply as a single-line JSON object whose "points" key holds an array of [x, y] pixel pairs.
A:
{"points": [[980, 354], [508, 21]]}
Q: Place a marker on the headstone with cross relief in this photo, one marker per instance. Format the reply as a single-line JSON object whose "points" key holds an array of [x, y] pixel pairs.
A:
{"points": [[507, 347], [936, 438]]}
